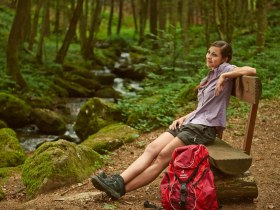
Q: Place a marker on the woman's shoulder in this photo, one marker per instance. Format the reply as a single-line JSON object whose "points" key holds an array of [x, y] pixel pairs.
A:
{"points": [[225, 67]]}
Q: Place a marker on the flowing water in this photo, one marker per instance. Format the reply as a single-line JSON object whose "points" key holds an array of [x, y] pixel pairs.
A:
{"points": [[30, 136]]}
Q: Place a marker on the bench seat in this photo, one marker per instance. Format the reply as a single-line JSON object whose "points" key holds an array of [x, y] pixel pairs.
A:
{"points": [[227, 159]]}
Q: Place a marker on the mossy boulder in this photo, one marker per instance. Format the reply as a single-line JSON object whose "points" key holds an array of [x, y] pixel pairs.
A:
{"points": [[90, 84], [57, 164], [95, 114], [111, 137], [108, 92], [12, 154], [48, 121], [14, 111], [73, 89]]}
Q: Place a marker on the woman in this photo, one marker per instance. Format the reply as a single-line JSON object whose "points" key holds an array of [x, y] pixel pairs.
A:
{"points": [[198, 127]]}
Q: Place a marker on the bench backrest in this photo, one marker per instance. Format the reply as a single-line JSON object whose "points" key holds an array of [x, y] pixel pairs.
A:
{"points": [[249, 89]]}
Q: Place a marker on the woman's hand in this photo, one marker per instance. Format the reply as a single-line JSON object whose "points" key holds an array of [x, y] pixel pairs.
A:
{"points": [[220, 85], [177, 123]]}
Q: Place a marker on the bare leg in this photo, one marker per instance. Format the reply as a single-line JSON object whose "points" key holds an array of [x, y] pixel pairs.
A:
{"points": [[146, 159], [152, 171]]}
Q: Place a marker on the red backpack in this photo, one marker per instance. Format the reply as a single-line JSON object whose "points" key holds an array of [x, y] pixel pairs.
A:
{"points": [[189, 182]]}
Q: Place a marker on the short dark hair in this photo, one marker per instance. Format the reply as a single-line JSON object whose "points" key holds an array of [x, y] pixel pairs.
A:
{"points": [[226, 49]]}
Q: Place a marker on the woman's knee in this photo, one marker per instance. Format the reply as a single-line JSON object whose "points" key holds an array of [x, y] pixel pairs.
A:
{"points": [[151, 149], [163, 158]]}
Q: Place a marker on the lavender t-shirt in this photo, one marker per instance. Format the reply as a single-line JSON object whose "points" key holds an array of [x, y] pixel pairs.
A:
{"points": [[211, 109]]}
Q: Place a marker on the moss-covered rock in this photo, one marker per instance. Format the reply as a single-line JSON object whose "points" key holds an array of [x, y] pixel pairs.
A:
{"points": [[3, 124], [14, 111], [73, 89], [48, 121], [90, 83], [77, 70], [108, 92], [94, 115], [12, 154], [111, 137], [57, 164]]}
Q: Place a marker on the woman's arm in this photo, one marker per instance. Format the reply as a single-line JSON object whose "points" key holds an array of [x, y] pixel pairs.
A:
{"points": [[236, 72]]}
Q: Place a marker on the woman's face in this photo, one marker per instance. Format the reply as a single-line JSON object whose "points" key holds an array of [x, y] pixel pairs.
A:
{"points": [[214, 57]]}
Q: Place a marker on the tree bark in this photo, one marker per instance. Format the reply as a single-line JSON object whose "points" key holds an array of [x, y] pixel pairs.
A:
{"points": [[83, 27], [143, 18], [162, 15], [153, 17], [15, 42], [109, 30], [88, 54], [39, 55], [134, 16], [261, 23], [120, 17], [34, 27], [57, 17], [224, 11], [185, 24], [70, 33], [173, 13]]}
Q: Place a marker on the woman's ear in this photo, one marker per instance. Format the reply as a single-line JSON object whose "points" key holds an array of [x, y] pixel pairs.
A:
{"points": [[225, 59]]}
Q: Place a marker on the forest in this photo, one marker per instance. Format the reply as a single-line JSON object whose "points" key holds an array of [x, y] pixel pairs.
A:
{"points": [[73, 71]]}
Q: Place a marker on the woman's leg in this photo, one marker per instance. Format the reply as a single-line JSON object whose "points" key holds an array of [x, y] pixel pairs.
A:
{"points": [[157, 166], [148, 156]]}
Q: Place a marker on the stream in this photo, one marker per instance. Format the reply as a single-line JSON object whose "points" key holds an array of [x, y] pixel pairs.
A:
{"points": [[30, 137]]}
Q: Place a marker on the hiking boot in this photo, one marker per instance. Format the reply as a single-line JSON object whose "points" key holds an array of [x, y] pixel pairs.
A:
{"points": [[113, 186], [101, 175]]}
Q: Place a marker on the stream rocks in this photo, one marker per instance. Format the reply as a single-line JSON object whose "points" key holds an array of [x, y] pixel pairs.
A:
{"points": [[95, 114], [14, 111], [48, 121]]}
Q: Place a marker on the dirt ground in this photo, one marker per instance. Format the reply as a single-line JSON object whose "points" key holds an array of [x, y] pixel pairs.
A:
{"points": [[82, 196]]}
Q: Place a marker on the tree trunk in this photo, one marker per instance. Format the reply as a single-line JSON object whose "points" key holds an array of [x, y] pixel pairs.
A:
{"points": [[173, 13], [185, 24], [27, 25], [134, 16], [34, 27], [83, 27], [143, 18], [70, 33], [39, 55], [88, 54], [15, 42], [162, 15], [57, 17], [261, 23], [109, 31], [120, 17], [153, 17], [207, 22], [224, 11]]}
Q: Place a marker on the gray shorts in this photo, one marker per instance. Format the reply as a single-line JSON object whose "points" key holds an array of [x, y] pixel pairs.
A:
{"points": [[195, 134]]}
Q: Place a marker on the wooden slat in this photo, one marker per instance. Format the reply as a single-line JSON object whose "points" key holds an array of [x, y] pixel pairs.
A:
{"points": [[248, 88], [227, 159]]}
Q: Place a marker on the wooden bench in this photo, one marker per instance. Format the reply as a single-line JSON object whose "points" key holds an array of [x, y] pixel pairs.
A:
{"points": [[230, 160]]}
